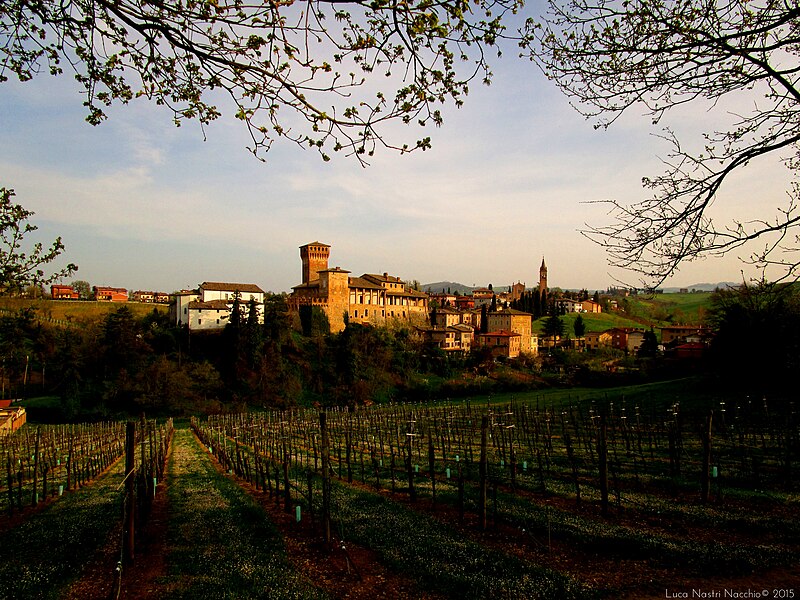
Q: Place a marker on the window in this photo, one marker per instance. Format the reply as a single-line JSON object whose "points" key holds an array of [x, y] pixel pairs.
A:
{"points": [[366, 312], [199, 321]]}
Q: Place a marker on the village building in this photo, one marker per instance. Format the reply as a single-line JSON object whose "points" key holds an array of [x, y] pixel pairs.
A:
{"points": [[594, 340], [142, 296], [627, 339], [590, 306], [442, 299], [568, 305], [110, 294], [683, 333], [456, 337], [502, 343], [63, 292], [516, 291], [370, 298], [515, 321], [447, 317], [465, 302], [209, 306], [11, 419], [481, 296]]}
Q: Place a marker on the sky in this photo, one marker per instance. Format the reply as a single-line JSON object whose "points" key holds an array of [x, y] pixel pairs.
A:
{"points": [[511, 178]]}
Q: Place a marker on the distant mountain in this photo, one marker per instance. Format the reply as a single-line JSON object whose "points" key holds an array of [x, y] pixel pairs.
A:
{"points": [[437, 287], [701, 287]]}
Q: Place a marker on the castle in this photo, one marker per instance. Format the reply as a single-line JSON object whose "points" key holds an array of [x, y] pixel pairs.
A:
{"points": [[370, 298]]}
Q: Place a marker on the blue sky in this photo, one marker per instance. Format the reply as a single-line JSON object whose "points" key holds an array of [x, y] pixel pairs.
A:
{"points": [[142, 204]]}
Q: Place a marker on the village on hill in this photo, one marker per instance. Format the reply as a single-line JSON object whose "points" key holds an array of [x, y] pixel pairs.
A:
{"points": [[454, 318]]}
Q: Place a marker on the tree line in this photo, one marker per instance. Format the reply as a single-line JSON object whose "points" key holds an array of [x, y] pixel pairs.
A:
{"points": [[123, 364]]}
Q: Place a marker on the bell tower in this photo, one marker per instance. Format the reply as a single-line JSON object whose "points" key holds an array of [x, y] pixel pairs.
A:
{"points": [[543, 278], [315, 259]]}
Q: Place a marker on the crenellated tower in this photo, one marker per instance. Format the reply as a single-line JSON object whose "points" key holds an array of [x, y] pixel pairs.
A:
{"points": [[315, 259]]}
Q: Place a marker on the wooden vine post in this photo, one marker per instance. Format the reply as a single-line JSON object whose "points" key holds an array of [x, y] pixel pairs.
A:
{"points": [[326, 481], [602, 455], [35, 493], [130, 490], [483, 470], [432, 469], [705, 481], [412, 493]]}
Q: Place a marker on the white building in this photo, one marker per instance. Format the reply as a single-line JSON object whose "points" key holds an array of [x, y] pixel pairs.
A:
{"points": [[209, 307]]}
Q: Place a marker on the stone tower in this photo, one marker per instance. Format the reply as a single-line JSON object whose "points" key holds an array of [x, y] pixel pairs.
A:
{"points": [[543, 278], [315, 259]]}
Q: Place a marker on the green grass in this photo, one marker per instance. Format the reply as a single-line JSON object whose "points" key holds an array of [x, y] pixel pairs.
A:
{"points": [[73, 310], [222, 545], [666, 309], [47, 551], [661, 310], [692, 392]]}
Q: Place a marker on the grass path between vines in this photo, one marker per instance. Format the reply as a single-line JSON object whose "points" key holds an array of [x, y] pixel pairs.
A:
{"points": [[218, 542], [211, 535]]}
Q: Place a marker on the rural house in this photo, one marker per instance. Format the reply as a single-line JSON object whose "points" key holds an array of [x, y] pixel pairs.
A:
{"points": [[209, 307]]}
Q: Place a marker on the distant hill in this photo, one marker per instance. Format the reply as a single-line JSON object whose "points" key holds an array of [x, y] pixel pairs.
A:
{"points": [[701, 287], [437, 287]]}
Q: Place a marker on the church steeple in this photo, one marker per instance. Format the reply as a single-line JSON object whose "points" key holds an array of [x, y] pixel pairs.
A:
{"points": [[543, 277]]}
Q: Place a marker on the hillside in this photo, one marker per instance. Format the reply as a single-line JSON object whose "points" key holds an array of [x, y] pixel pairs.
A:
{"points": [[670, 309], [76, 310], [593, 322]]}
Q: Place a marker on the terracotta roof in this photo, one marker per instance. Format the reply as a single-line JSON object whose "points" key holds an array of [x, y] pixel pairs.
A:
{"points": [[510, 311], [215, 286], [315, 244], [211, 304], [502, 333], [385, 277], [360, 282]]}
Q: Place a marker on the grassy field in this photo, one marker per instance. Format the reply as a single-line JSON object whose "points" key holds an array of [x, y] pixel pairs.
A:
{"points": [[76, 310], [669, 309], [593, 322], [660, 310]]}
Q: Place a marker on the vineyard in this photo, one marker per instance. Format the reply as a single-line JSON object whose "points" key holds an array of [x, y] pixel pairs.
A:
{"points": [[586, 496]]}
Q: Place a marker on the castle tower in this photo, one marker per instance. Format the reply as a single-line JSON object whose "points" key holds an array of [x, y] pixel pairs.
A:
{"points": [[543, 278], [315, 259]]}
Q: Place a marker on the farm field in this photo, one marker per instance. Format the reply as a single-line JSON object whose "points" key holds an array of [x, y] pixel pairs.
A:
{"points": [[499, 497]]}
